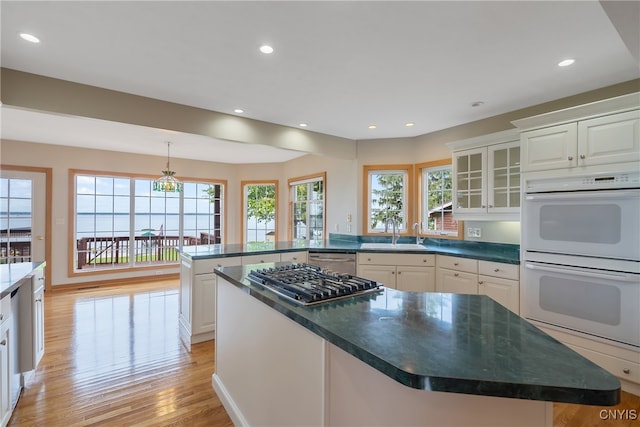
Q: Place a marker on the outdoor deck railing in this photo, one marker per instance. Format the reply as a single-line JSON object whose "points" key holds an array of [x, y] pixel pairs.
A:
{"points": [[103, 251]]}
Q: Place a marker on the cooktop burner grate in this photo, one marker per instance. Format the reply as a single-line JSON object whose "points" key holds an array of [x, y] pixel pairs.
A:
{"points": [[308, 284]]}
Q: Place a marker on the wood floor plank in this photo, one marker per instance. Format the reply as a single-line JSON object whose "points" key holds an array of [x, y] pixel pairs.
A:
{"points": [[114, 358]]}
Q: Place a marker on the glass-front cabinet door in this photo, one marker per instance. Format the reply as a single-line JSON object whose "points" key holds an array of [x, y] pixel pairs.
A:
{"points": [[470, 167], [503, 181]]}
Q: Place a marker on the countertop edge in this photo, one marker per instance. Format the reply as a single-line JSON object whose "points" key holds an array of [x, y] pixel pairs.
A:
{"points": [[436, 383], [353, 248], [17, 282]]}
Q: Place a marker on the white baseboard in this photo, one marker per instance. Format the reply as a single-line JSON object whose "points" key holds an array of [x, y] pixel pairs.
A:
{"points": [[229, 405]]}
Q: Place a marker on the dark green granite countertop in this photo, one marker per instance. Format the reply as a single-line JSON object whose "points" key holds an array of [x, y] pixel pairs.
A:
{"points": [[505, 253], [448, 342], [11, 275]]}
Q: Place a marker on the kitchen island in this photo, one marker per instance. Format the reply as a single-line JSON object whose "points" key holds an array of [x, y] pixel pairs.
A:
{"points": [[390, 358]]}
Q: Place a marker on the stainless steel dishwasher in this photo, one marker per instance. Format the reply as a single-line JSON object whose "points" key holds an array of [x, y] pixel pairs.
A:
{"points": [[339, 262]]}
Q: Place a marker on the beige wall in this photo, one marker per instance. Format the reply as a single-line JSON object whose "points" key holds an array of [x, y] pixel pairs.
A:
{"points": [[344, 170], [340, 179]]}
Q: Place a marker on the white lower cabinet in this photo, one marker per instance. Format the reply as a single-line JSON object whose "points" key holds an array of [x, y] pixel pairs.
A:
{"points": [[457, 282], [197, 297], [499, 281], [260, 258], [457, 275], [622, 362], [32, 323], [405, 272], [298, 256], [198, 291], [5, 365]]}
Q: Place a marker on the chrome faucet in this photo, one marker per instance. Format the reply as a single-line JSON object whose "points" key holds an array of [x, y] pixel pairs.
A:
{"points": [[396, 235], [416, 228]]}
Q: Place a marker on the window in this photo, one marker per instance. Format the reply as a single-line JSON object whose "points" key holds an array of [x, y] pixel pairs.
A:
{"points": [[119, 222], [387, 189], [307, 195], [259, 211], [15, 220], [436, 202]]}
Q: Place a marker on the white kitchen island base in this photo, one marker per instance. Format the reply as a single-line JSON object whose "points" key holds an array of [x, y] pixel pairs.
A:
{"points": [[272, 371]]}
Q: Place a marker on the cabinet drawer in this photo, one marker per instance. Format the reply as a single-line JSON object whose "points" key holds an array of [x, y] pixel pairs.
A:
{"points": [[299, 256], [203, 266], [260, 258], [460, 264], [621, 368], [499, 269], [386, 258]]}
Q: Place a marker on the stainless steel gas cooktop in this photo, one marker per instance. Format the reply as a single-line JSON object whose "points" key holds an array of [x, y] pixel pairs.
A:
{"points": [[307, 284]]}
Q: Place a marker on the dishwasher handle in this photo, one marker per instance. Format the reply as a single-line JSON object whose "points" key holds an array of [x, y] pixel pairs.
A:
{"points": [[315, 258]]}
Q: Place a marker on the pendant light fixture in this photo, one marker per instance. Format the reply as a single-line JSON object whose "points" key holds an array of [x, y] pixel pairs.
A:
{"points": [[167, 182]]}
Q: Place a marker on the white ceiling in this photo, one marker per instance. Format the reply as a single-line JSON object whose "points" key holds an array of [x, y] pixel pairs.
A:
{"points": [[338, 66]]}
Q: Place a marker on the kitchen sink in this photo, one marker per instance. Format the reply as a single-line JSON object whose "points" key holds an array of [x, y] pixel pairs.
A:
{"points": [[392, 247]]}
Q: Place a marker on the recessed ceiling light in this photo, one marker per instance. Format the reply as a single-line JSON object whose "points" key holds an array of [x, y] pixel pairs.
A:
{"points": [[566, 62], [409, 124], [266, 49], [477, 103], [303, 125], [29, 37], [238, 110], [372, 126]]}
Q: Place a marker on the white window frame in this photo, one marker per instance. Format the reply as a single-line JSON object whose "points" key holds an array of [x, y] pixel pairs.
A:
{"points": [[423, 170], [309, 180], [369, 171], [132, 232]]}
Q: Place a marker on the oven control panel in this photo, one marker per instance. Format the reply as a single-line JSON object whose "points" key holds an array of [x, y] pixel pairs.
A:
{"points": [[600, 181]]}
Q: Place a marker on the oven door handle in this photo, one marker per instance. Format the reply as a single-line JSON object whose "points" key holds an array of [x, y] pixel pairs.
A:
{"points": [[570, 195], [620, 277]]}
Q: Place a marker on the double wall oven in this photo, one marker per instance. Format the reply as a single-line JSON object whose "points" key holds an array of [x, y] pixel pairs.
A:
{"points": [[581, 255]]}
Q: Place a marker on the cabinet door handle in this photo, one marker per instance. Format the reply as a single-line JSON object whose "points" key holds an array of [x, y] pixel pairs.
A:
{"points": [[3, 342], [399, 273], [626, 371], [496, 270], [455, 263], [480, 282], [39, 300], [570, 158], [1, 316], [455, 274], [582, 156], [393, 272], [483, 206], [490, 206]]}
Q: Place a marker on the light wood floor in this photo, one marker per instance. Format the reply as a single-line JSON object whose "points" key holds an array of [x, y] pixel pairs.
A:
{"points": [[113, 357]]}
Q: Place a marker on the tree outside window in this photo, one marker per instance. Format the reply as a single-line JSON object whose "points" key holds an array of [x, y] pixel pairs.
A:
{"points": [[260, 208], [387, 189]]}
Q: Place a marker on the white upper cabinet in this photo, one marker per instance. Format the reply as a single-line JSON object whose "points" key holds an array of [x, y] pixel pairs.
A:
{"points": [[601, 133], [486, 174], [503, 180], [609, 139], [550, 148]]}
